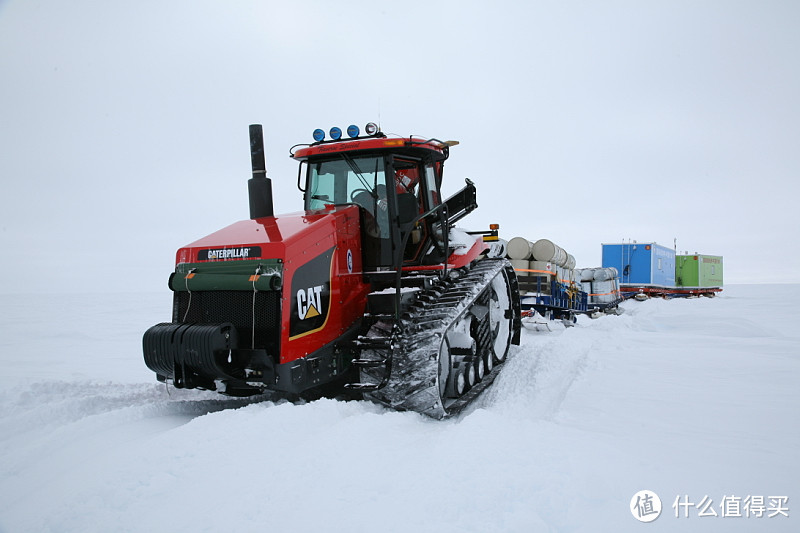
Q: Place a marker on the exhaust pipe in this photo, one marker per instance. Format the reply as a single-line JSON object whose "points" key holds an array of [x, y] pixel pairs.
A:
{"points": [[259, 186]]}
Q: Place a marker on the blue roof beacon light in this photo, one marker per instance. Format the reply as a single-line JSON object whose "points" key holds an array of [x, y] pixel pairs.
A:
{"points": [[353, 131], [319, 135], [336, 133]]}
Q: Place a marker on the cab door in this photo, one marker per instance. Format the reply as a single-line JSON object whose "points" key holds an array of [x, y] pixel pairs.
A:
{"points": [[420, 215]]}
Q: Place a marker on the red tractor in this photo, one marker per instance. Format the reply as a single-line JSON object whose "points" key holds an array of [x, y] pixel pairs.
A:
{"points": [[370, 291]]}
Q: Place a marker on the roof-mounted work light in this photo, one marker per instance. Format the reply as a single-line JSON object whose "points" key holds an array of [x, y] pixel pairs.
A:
{"points": [[336, 133], [318, 135], [353, 131], [371, 128]]}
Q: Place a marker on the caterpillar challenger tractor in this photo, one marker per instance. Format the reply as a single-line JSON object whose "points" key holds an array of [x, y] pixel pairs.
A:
{"points": [[370, 291]]}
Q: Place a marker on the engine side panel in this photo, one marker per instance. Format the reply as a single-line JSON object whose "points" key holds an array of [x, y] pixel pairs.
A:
{"points": [[324, 292]]}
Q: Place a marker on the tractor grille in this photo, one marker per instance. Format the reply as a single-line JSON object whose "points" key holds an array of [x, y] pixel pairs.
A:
{"points": [[236, 307]]}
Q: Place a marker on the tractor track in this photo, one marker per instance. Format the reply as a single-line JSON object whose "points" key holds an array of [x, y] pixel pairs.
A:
{"points": [[416, 343]]}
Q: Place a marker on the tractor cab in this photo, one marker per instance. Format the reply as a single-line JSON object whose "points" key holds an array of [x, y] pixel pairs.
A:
{"points": [[395, 182]]}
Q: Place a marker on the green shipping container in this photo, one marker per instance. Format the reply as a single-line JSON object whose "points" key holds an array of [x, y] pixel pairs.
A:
{"points": [[698, 270]]}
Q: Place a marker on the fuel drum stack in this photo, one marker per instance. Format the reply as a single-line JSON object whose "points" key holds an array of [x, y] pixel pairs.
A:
{"points": [[602, 288], [548, 281]]}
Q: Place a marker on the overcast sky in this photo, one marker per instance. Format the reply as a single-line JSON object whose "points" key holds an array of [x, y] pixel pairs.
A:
{"points": [[123, 132]]}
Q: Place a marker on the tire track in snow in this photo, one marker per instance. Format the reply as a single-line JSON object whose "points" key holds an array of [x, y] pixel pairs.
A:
{"points": [[48, 420], [61, 402], [539, 373]]}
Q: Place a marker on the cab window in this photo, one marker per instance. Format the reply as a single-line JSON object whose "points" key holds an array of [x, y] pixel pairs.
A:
{"points": [[346, 180], [340, 181]]}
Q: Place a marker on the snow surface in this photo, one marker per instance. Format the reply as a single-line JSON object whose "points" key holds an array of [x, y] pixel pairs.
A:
{"points": [[685, 397]]}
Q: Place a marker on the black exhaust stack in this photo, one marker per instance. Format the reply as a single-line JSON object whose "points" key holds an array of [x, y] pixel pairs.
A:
{"points": [[259, 186]]}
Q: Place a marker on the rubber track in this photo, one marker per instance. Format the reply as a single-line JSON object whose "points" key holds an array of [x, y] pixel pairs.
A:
{"points": [[413, 385]]}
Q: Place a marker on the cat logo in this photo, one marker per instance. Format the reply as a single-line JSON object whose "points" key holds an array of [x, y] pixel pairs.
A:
{"points": [[311, 295], [309, 302]]}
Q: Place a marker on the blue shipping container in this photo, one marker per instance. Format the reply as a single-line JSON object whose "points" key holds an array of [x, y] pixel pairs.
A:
{"points": [[641, 264]]}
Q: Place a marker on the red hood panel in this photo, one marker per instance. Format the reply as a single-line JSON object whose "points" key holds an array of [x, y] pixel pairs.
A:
{"points": [[263, 238]]}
